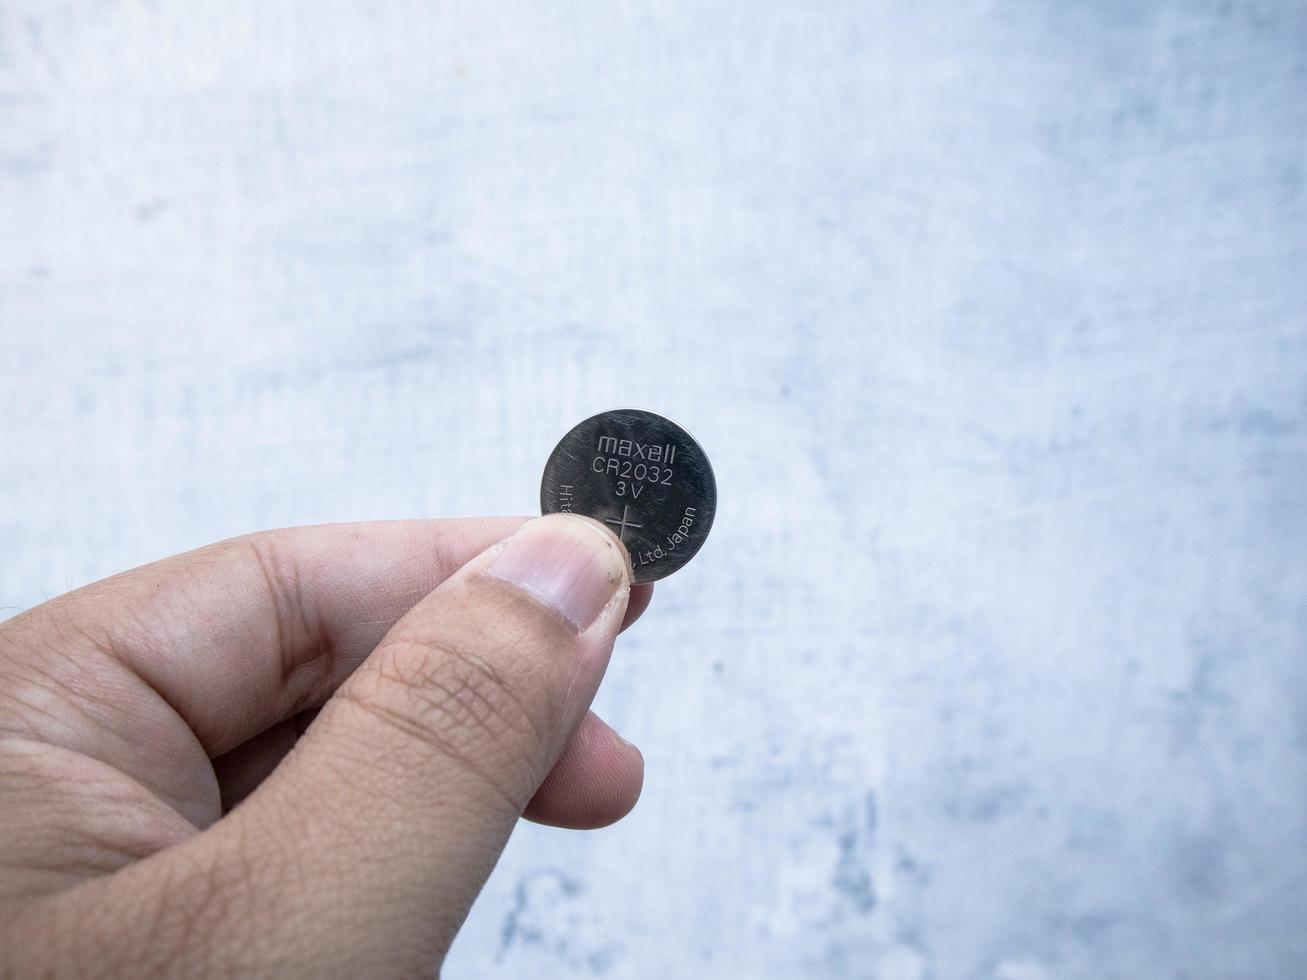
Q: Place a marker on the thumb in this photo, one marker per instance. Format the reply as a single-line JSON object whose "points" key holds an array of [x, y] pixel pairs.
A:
{"points": [[405, 789]]}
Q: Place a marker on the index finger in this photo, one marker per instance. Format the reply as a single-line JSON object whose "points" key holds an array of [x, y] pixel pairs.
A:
{"points": [[241, 634]]}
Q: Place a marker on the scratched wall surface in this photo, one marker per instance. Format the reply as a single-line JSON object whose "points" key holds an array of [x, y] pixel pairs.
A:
{"points": [[992, 316]]}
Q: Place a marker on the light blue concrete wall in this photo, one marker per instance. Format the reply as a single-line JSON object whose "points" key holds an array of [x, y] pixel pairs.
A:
{"points": [[993, 318]]}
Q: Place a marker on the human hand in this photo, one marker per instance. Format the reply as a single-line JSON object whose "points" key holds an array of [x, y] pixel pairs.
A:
{"points": [[453, 674]]}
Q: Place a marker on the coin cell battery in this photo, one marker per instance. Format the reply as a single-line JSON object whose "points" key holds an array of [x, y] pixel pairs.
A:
{"points": [[642, 475]]}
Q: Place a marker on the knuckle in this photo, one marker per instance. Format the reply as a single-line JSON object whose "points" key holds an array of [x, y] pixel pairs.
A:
{"points": [[455, 704], [303, 640]]}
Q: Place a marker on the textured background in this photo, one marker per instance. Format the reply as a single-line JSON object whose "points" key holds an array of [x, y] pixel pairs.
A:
{"points": [[993, 318]]}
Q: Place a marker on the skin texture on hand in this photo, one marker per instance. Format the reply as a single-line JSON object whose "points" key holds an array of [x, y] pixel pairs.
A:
{"points": [[301, 752]]}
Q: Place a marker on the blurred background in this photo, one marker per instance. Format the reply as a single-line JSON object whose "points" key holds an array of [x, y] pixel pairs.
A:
{"points": [[992, 317]]}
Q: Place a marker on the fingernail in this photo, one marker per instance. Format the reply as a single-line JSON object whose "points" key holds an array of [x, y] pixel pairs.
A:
{"points": [[567, 563]]}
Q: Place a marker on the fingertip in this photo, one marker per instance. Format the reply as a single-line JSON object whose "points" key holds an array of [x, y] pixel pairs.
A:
{"points": [[637, 602], [596, 781]]}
